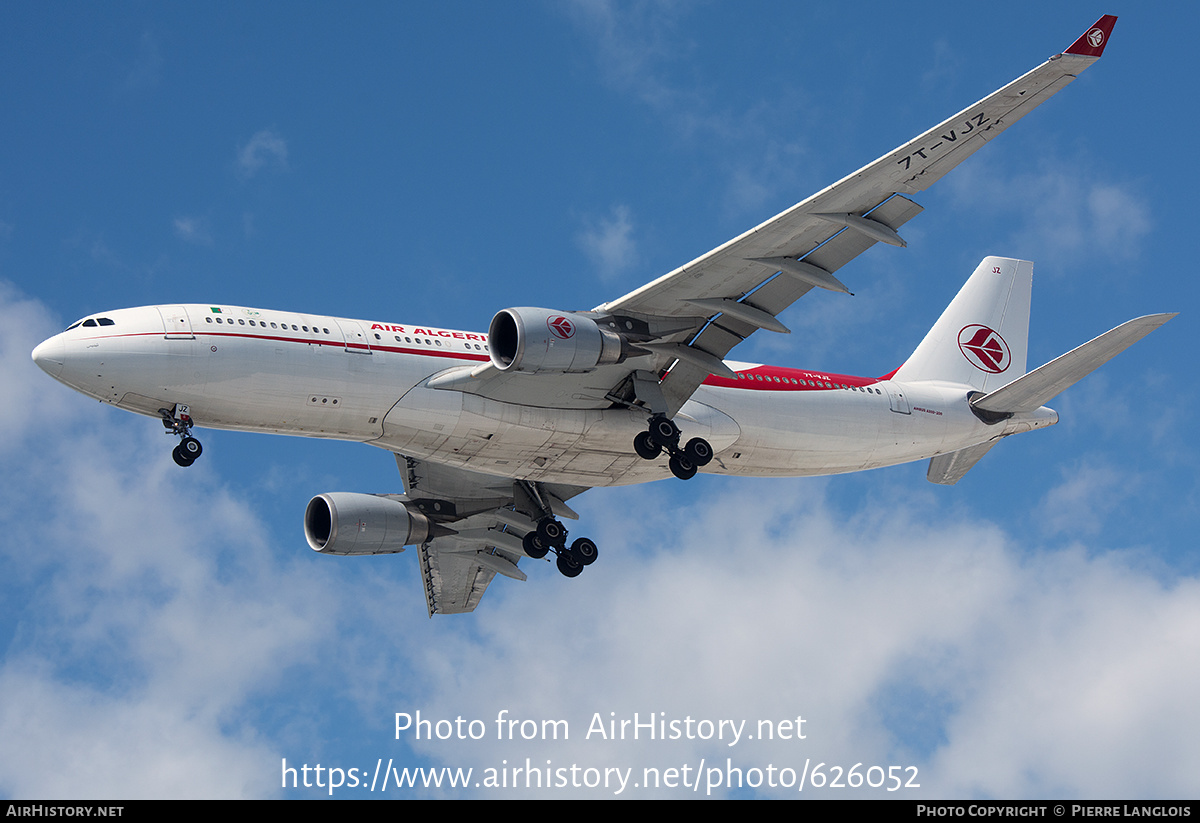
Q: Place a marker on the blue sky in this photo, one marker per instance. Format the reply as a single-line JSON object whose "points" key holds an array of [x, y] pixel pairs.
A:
{"points": [[1033, 631]]}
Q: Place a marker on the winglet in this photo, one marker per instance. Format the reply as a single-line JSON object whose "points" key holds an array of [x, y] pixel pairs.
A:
{"points": [[1093, 41]]}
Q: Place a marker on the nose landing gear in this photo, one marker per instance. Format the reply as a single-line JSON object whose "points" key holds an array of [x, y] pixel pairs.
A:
{"points": [[178, 422], [663, 435], [187, 451]]}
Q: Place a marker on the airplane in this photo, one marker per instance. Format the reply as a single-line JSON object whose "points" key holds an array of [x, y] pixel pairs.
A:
{"points": [[494, 433]]}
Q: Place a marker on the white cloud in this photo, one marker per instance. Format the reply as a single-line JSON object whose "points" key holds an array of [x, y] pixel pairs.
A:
{"points": [[146, 72], [155, 615], [642, 49], [608, 243], [24, 323], [193, 230], [1084, 690], [1086, 497], [1063, 211], [634, 43], [77, 741], [1120, 218], [264, 149], [945, 68], [766, 605]]}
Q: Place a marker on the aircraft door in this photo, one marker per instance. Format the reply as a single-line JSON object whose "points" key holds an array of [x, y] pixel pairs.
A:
{"points": [[176, 324], [354, 337], [898, 398]]}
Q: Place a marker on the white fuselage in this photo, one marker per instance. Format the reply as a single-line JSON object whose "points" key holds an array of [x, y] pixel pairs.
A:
{"points": [[315, 376]]}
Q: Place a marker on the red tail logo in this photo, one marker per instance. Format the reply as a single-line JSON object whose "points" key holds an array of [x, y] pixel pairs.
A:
{"points": [[984, 348], [561, 327]]}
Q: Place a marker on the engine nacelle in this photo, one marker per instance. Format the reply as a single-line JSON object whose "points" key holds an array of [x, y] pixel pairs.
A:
{"points": [[348, 523], [540, 340]]}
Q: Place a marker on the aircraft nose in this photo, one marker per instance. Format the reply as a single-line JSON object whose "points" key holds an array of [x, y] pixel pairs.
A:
{"points": [[50, 354]]}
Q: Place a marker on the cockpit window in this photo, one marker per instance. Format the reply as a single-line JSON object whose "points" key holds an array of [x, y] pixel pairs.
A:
{"points": [[91, 322]]}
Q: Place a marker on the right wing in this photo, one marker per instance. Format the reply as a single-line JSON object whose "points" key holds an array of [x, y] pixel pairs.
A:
{"points": [[483, 518]]}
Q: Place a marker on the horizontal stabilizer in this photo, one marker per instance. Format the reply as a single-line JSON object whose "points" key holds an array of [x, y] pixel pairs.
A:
{"points": [[948, 469], [1038, 387]]}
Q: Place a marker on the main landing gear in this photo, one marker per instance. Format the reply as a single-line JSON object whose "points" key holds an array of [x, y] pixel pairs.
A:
{"points": [[177, 421], [550, 534], [663, 435]]}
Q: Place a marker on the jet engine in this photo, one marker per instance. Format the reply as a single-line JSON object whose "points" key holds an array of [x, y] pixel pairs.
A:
{"points": [[540, 340], [348, 523]]}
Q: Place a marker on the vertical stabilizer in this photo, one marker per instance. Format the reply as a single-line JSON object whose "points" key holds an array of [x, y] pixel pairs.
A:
{"points": [[982, 337]]}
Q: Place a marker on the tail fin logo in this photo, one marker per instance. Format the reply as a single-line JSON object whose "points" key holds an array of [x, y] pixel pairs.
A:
{"points": [[1095, 37], [984, 349]]}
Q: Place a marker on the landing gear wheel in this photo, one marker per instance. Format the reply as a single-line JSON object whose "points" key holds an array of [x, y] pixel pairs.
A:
{"points": [[534, 547], [664, 432], [552, 533], [181, 457], [568, 565], [191, 447], [698, 452], [682, 468], [585, 551], [646, 447]]}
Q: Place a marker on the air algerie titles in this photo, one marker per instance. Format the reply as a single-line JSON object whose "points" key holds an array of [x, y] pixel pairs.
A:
{"points": [[458, 335]]}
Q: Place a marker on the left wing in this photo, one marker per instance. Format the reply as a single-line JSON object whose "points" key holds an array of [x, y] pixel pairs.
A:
{"points": [[754, 277], [482, 519], [693, 316]]}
